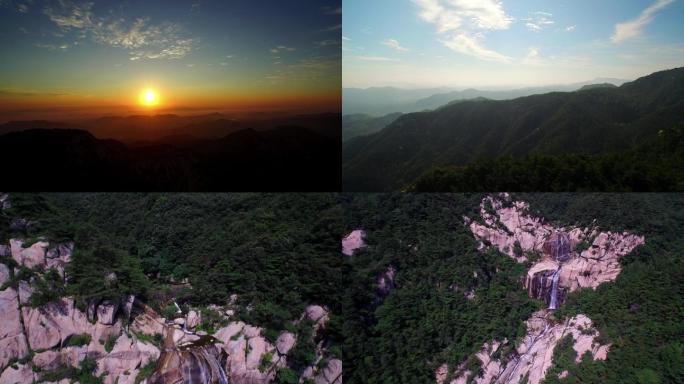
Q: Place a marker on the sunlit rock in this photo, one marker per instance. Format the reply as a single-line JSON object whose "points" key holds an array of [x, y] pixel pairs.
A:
{"points": [[353, 241]]}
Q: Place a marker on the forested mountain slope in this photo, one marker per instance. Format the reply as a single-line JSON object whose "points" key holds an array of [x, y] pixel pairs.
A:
{"points": [[241, 288], [593, 121], [431, 288]]}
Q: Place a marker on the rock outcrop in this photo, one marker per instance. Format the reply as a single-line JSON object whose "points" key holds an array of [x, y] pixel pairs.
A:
{"points": [[534, 355], [562, 267], [353, 241], [506, 226]]}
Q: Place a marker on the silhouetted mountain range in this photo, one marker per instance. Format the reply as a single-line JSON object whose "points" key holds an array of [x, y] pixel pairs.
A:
{"points": [[591, 121], [284, 158]]}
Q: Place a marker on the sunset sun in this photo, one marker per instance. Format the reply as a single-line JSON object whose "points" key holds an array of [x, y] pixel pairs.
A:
{"points": [[149, 97]]}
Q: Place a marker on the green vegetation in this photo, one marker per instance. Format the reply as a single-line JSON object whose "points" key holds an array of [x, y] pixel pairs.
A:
{"points": [[286, 376], [427, 321], [657, 165], [48, 288], [278, 252], [109, 344], [266, 361], [156, 339], [83, 374], [559, 141], [78, 340], [145, 371]]}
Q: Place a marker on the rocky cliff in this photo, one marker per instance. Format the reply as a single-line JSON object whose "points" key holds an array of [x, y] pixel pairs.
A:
{"points": [[561, 260], [121, 338]]}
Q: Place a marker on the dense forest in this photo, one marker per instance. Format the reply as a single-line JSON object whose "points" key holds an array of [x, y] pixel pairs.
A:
{"points": [[428, 319], [656, 165], [278, 252], [281, 252], [589, 122]]}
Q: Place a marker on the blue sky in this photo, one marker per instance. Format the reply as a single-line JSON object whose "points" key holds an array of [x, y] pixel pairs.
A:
{"points": [[502, 43], [62, 52]]}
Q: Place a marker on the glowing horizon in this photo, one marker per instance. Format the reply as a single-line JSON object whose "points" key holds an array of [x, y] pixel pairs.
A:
{"points": [[79, 56]]}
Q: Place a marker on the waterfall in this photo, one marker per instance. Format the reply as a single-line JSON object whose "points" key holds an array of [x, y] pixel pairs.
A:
{"points": [[553, 302], [562, 254]]}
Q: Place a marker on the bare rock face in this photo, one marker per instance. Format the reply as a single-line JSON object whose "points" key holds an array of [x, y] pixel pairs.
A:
{"points": [[13, 344], [4, 274], [52, 324], [5, 201], [31, 257], [5, 250], [19, 375], [106, 312], [331, 374], [122, 363], [562, 268], [192, 320], [353, 241], [533, 357], [245, 349], [506, 226], [51, 359], [285, 342], [148, 322], [317, 314]]}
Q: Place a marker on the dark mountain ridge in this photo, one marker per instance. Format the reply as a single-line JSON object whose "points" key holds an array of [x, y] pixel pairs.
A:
{"points": [[280, 159], [592, 121]]}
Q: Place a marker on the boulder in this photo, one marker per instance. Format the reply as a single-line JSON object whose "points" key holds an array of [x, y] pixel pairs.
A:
{"points": [[18, 374], [331, 374], [286, 340], [226, 333], [5, 250], [192, 320], [353, 241], [31, 257]]}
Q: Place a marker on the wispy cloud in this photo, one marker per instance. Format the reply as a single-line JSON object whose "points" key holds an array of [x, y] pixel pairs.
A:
{"points": [[327, 43], [373, 58], [346, 38], [461, 24], [470, 45], [392, 43], [282, 48], [570, 28], [538, 21], [141, 39], [332, 28], [53, 47], [633, 28]]}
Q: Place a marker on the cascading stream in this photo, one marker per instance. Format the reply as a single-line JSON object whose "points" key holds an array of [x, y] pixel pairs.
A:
{"points": [[562, 251]]}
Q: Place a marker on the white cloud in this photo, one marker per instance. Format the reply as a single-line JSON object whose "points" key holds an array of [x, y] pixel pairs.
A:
{"points": [[162, 41], [470, 45], [463, 23], [373, 58], [392, 43], [570, 28], [538, 21], [632, 28], [346, 38]]}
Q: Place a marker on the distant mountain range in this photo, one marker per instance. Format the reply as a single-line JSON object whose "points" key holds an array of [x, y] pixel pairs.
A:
{"points": [[164, 153], [151, 128], [379, 101], [594, 120]]}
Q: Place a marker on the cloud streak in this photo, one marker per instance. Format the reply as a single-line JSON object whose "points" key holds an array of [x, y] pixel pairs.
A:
{"points": [[139, 38], [633, 28], [461, 24], [394, 44]]}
